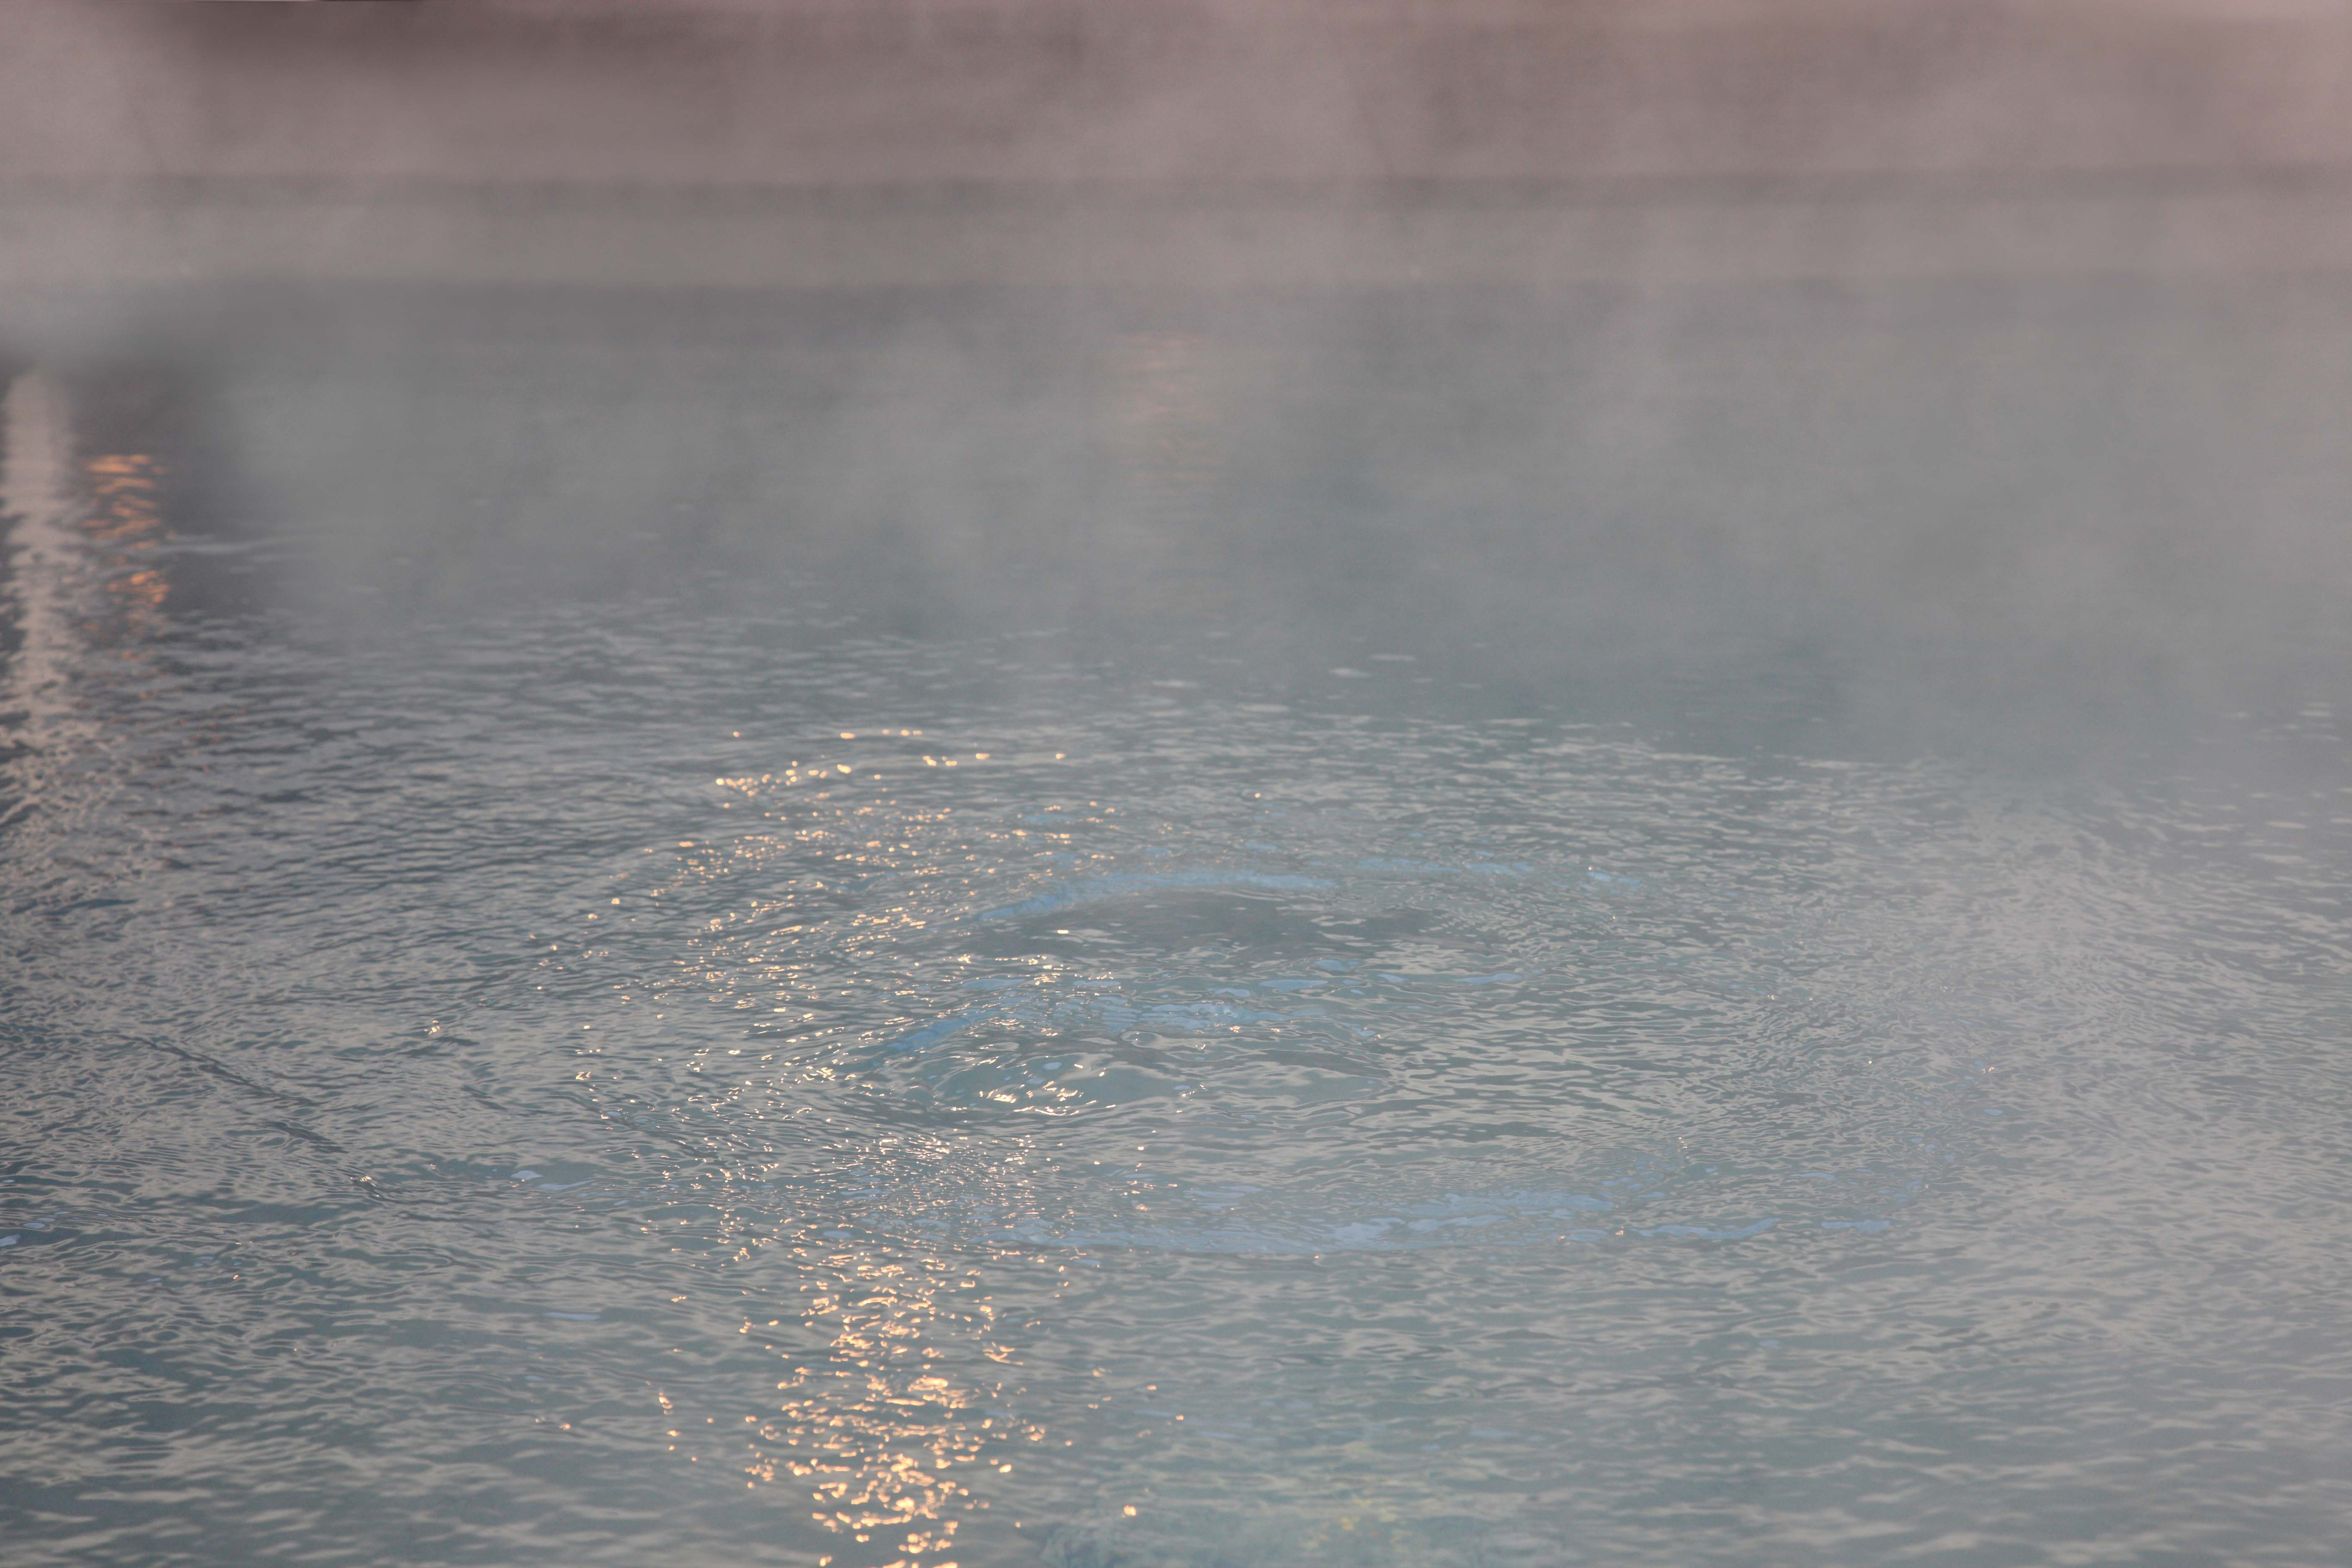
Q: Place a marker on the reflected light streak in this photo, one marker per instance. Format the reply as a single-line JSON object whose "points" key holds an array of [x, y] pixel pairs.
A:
{"points": [[126, 514], [37, 492], [67, 596], [876, 1434]]}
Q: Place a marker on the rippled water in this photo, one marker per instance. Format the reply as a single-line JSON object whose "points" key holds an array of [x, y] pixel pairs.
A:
{"points": [[715, 1069]]}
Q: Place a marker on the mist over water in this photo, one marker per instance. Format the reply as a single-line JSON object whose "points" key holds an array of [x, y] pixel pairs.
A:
{"points": [[2031, 516], [651, 930], [1333, 912]]}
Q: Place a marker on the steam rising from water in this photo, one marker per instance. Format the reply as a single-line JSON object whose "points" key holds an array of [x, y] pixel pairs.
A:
{"points": [[2053, 520], [1360, 1113], [1630, 901]]}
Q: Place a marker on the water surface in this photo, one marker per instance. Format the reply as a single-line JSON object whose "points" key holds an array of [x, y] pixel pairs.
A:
{"points": [[937, 933]]}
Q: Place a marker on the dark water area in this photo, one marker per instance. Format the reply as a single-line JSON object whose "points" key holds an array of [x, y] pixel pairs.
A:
{"points": [[1417, 926]]}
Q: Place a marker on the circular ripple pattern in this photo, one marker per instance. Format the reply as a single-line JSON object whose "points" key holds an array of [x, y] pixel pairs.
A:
{"points": [[897, 1102], [878, 930]]}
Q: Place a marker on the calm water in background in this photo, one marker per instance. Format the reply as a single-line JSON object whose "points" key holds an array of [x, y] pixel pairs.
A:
{"points": [[1418, 930]]}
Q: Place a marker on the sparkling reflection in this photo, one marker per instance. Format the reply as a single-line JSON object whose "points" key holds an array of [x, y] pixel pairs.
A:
{"points": [[126, 520], [877, 1429], [39, 493], [86, 552]]}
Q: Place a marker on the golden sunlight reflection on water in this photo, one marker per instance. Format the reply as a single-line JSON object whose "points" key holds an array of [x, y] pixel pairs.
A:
{"points": [[877, 1429], [83, 548], [126, 518]]}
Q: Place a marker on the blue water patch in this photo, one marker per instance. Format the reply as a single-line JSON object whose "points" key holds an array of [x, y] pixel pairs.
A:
{"points": [[1441, 869], [1118, 886], [1277, 1224], [1708, 1233], [1090, 1008]]}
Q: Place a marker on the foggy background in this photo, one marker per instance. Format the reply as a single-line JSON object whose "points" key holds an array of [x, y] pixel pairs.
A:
{"points": [[1732, 615], [1976, 368]]}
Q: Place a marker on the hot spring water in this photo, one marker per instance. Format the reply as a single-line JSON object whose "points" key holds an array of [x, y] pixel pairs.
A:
{"points": [[711, 1069]]}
